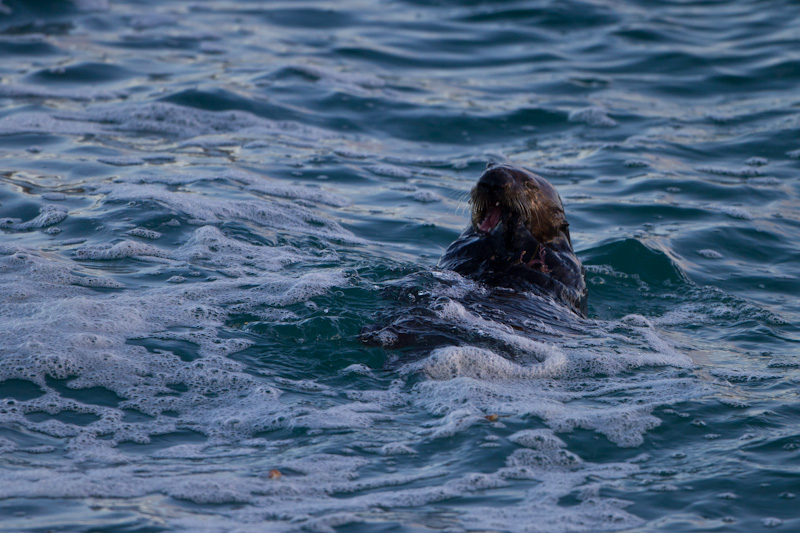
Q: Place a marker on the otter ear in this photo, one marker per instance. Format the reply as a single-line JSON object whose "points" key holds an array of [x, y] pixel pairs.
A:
{"points": [[565, 229], [491, 164]]}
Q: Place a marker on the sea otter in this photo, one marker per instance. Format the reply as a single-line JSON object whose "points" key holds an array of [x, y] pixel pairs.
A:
{"points": [[517, 249], [519, 238]]}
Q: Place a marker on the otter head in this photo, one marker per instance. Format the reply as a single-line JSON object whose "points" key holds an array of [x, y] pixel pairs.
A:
{"points": [[506, 193]]}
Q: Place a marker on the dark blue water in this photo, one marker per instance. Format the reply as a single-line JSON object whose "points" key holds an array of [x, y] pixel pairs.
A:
{"points": [[202, 203]]}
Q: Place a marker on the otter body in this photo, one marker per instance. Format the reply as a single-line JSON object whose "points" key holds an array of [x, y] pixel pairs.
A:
{"points": [[518, 238], [517, 248]]}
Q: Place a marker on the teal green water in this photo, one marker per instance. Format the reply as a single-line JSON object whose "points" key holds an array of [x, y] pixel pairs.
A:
{"points": [[202, 203]]}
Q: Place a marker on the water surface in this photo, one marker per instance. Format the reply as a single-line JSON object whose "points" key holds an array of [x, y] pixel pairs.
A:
{"points": [[202, 203]]}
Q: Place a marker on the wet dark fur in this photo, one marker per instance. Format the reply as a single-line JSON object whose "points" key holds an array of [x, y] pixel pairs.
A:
{"points": [[528, 277], [529, 249]]}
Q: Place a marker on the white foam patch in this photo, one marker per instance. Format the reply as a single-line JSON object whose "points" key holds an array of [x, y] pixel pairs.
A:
{"points": [[743, 172], [735, 212], [120, 250], [234, 406], [234, 467], [426, 197], [478, 363], [54, 196], [691, 314], [187, 122], [347, 416], [455, 312], [44, 293], [155, 118], [49, 215], [709, 253], [593, 116], [210, 248], [145, 233], [467, 383], [213, 209], [623, 420], [764, 181], [393, 171], [247, 181], [538, 439]]}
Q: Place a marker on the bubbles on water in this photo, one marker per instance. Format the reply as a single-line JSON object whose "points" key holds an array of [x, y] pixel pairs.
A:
{"points": [[54, 196], [155, 118], [265, 212], [538, 439], [593, 116], [734, 211], [750, 171], [120, 250], [764, 181], [477, 363], [49, 215], [94, 350], [426, 197], [145, 233], [393, 171], [710, 254]]}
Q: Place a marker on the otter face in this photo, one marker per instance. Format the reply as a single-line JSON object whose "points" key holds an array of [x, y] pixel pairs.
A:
{"points": [[505, 192]]}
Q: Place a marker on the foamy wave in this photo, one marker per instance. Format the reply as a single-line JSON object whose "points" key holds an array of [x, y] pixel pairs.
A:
{"points": [[593, 116], [47, 293], [744, 172], [49, 216], [469, 361], [735, 212], [246, 180], [210, 210], [111, 342], [155, 118]]}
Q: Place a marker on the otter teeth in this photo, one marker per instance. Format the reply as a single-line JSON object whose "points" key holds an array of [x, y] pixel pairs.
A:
{"points": [[491, 220]]}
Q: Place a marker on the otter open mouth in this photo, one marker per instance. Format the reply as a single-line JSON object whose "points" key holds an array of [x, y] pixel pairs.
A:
{"points": [[492, 219]]}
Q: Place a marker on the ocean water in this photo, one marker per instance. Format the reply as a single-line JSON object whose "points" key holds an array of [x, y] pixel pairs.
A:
{"points": [[202, 203]]}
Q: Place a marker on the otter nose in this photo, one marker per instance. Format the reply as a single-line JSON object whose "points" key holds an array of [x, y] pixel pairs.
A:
{"points": [[495, 178]]}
